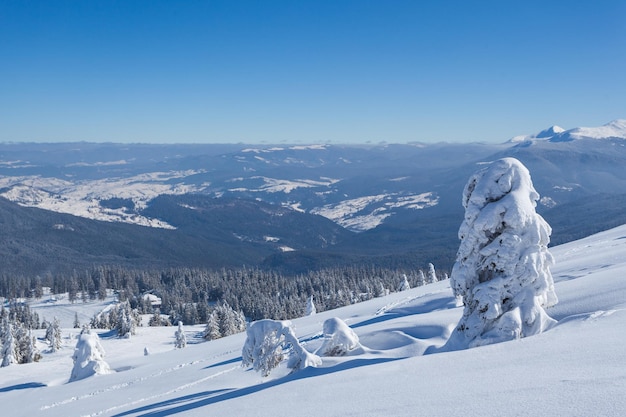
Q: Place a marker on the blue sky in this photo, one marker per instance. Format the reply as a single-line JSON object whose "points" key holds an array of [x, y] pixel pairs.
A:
{"points": [[307, 71]]}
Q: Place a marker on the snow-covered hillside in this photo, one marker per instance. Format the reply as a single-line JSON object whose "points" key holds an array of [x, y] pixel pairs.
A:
{"points": [[83, 198], [578, 368]]}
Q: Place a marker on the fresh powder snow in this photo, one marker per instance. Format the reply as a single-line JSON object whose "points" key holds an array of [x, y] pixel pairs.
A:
{"points": [[576, 368]]}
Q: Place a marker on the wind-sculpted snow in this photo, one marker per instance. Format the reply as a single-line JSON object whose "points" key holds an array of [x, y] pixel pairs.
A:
{"points": [[339, 339]]}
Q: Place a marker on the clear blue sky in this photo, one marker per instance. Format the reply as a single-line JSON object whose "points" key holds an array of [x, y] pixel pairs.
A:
{"points": [[307, 71]]}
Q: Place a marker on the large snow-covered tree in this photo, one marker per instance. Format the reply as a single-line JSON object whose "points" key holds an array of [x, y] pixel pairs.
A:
{"points": [[266, 343], [88, 357], [502, 269]]}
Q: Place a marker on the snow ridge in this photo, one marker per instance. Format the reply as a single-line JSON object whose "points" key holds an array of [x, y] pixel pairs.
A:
{"points": [[615, 129]]}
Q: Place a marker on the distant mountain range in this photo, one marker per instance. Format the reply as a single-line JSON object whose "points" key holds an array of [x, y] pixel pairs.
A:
{"points": [[69, 205]]}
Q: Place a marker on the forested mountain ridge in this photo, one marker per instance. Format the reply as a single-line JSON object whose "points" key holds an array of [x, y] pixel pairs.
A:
{"points": [[290, 207]]}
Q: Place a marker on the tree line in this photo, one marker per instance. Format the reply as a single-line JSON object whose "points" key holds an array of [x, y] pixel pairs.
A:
{"points": [[191, 294]]}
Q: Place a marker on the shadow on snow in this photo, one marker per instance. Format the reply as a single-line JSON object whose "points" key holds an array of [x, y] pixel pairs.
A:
{"points": [[27, 385], [203, 399], [442, 303]]}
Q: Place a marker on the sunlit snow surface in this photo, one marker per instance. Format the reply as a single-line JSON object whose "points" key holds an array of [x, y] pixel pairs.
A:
{"points": [[578, 368]]}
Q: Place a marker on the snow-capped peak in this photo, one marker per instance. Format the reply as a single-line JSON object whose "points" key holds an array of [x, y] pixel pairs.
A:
{"points": [[549, 132], [614, 129], [544, 134]]}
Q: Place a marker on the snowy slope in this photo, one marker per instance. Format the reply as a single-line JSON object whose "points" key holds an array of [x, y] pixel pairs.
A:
{"points": [[576, 369]]}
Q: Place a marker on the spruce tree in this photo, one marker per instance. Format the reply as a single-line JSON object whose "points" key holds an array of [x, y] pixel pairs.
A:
{"points": [[9, 346], [181, 339]]}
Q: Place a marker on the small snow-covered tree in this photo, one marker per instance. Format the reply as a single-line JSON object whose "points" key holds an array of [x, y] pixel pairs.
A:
{"points": [[421, 279], [76, 321], [266, 342], [10, 354], [432, 275], [212, 329], [181, 339], [404, 284], [127, 320], [502, 270], [381, 291], [88, 357], [53, 335], [157, 320], [339, 339], [310, 307]]}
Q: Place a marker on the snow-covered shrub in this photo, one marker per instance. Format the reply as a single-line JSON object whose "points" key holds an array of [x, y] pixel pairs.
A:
{"points": [[88, 357], [266, 344], [339, 339], [181, 339], [502, 265]]}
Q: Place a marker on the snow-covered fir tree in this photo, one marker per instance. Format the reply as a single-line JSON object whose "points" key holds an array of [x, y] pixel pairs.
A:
{"points": [[28, 351], [421, 279], [88, 357], [53, 335], [404, 284], [224, 321], [502, 270], [212, 329], [310, 307], [180, 338], [10, 353], [432, 275]]}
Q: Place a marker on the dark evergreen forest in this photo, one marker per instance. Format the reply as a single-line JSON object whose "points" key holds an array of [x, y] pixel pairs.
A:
{"points": [[189, 295]]}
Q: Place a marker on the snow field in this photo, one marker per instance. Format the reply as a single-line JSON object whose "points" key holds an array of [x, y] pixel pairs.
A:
{"points": [[577, 368]]}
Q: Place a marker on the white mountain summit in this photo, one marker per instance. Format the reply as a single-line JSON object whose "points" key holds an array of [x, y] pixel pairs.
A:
{"points": [[612, 130]]}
